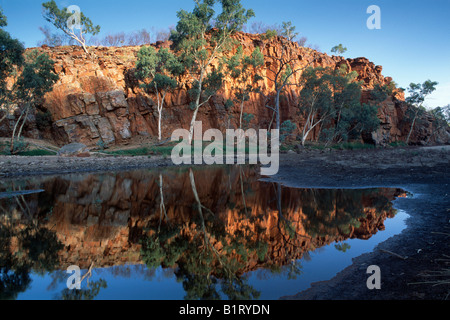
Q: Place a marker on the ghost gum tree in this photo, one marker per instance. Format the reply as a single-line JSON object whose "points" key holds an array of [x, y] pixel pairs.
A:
{"points": [[244, 70], [158, 72], [282, 69], [417, 95], [330, 101], [199, 38], [65, 20]]}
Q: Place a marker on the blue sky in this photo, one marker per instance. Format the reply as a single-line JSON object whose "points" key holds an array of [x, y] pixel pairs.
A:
{"points": [[413, 44]]}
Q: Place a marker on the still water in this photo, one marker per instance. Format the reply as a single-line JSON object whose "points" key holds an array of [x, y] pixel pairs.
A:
{"points": [[181, 233]]}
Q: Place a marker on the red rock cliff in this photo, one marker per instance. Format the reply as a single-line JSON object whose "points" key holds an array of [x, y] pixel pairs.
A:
{"points": [[97, 99]]}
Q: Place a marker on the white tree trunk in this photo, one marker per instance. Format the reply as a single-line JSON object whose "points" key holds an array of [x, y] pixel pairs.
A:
{"points": [[191, 128], [411, 130], [159, 123]]}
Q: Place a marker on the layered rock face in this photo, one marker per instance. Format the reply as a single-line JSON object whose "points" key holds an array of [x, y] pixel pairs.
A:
{"points": [[98, 99]]}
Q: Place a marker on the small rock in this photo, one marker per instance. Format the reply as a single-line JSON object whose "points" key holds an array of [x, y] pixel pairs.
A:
{"points": [[73, 150]]}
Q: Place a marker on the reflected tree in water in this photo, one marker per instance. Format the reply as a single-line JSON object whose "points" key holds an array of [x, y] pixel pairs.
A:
{"points": [[90, 293], [207, 256], [25, 247]]}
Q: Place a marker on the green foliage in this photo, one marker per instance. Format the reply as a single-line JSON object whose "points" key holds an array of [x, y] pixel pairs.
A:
{"points": [[36, 153], [244, 69], [339, 49], [157, 70], [342, 247], [143, 151], [441, 120], [84, 294], [418, 92], [245, 72], [3, 20], [398, 144], [229, 104], [380, 93], [19, 146], [43, 120], [269, 34], [11, 59], [417, 95], [286, 130], [316, 95], [246, 120], [36, 250], [442, 114], [332, 99], [198, 44], [189, 37], [289, 31], [59, 17], [37, 77]]}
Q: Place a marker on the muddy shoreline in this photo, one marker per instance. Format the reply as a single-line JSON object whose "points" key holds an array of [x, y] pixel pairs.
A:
{"points": [[426, 240], [424, 172]]}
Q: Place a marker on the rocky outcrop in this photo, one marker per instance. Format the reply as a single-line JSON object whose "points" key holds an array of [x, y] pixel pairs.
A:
{"points": [[98, 99]]}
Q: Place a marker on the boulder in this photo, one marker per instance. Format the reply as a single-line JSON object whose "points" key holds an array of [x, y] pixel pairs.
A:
{"points": [[74, 150]]}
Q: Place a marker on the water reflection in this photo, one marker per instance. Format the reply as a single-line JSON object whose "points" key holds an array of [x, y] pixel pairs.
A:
{"points": [[209, 226]]}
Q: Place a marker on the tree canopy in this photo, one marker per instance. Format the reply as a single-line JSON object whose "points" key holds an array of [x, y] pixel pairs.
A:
{"points": [[339, 49], [158, 72], [330, 102], [417, 94], [61, 19], [199, 37]]}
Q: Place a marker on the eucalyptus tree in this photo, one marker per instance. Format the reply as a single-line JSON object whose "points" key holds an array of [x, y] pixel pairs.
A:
{"points": [[67, 21], [339, 49], [281, 71], [30, 77], [315, 100], [3, 20], [331, 101], [199, 38], [37, 77], [441, 120], [417, 95], [158, 72], [289, 31], [244, 70], [11, 60]]}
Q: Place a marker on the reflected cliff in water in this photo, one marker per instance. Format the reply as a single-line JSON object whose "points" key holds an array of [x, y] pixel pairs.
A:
{"points": [[208, 226]]}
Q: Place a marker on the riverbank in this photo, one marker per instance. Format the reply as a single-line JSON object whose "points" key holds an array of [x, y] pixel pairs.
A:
{"points": [[413, 263], [422, 249]]}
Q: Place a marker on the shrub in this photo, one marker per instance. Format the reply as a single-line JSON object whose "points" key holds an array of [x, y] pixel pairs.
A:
{"points": [[43, 120]]}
